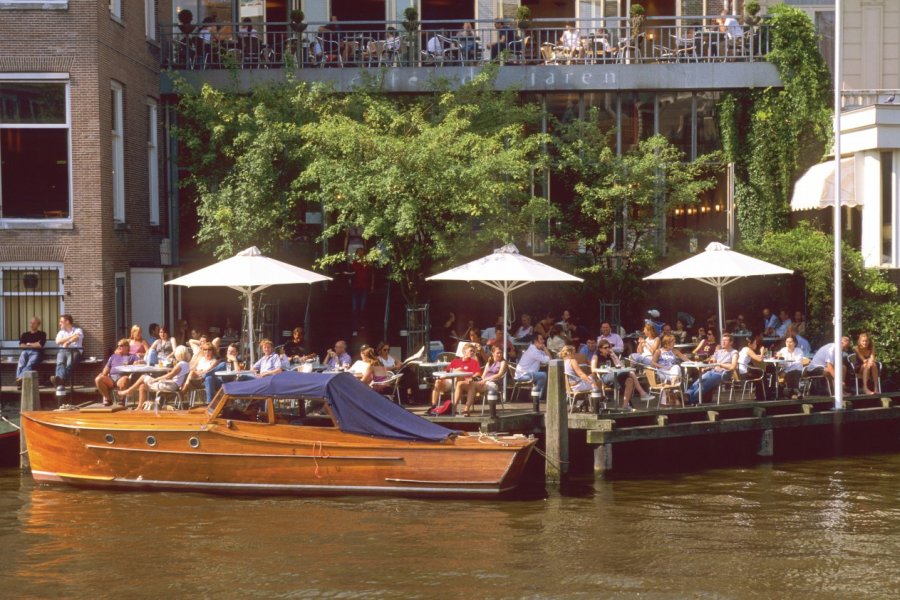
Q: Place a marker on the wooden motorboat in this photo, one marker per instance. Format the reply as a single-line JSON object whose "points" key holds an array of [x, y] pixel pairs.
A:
{"points": [[256, 436]]}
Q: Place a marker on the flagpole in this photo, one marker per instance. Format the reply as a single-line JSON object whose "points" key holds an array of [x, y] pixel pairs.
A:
{"points": [[838, 304]]}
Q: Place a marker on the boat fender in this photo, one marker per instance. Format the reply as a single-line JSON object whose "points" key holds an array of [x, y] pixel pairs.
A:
{"points": [[229, 424]]}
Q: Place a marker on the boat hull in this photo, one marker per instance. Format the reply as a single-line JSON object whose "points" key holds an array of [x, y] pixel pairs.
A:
{"points": [[183, 451]]}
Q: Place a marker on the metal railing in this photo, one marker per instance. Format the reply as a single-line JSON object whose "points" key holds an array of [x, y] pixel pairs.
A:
{"points": [[448, 43], [852, 99]]}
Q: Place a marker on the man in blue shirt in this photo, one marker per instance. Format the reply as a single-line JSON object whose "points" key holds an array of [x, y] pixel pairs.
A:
{"points": [[824, 358]]}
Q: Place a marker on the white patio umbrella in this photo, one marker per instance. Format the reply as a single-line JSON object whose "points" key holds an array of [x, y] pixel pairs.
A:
{"points": [[718, 266], [505, 270], [248, 272]]}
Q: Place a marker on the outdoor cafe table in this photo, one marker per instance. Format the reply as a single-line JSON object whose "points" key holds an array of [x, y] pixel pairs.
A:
{"points": [[143, 370], [777, 366], [615, 372], [451, 375], [692, 364]]}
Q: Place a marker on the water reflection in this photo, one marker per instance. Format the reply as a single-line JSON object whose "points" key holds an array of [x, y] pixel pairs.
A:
{"points": [[826, 528]]}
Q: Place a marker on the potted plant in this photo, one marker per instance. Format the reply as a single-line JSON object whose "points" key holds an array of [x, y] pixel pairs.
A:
{"points": [[297, 24], [523, 18], [410, 25], [751, 14]]}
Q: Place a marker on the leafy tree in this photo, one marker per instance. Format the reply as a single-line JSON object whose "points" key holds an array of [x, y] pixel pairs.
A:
{"points": [[426, 179], [243, 154], [620, 201]]}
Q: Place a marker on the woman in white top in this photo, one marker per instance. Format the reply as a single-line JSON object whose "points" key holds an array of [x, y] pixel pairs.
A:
{"points": [[172, 381], [665, 359], [647, 345], [384, 355], [753, 351], [793, 368]]}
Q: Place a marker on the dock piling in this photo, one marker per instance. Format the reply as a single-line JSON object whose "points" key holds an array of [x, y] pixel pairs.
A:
{"points": [[556, 424], [30, 400]]}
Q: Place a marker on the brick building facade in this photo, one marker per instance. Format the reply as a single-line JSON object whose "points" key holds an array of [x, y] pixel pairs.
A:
{"points": [[81, 130]]}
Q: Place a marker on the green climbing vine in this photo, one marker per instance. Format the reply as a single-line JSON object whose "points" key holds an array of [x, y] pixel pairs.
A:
{"points": [[772, 135]]}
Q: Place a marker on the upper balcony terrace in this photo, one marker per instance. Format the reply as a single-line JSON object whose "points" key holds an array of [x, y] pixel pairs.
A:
{"points": [[670, 53]]}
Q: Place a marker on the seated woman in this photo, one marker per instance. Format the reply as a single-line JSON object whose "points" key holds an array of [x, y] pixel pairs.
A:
{"points": [[556, 342], [665, 359], [626, 380], [707, 345], [793, 369], [474, 337], [491, 378], [373, 374], [172, 381], [647, 345], [468, 364], [136, 342], [203, 374], [163, 349], [752, 351], [579, 381], [384, 356], [866, 368], [110, 377]]}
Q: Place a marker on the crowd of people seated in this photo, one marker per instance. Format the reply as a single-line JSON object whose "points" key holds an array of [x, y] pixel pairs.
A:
{"points": [[774, 358]]}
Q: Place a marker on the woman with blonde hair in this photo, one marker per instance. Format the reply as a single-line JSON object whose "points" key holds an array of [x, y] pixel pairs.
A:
{"points": [[172, 381], [866, 367], [136, 342], [579, 381], [647, 345]]}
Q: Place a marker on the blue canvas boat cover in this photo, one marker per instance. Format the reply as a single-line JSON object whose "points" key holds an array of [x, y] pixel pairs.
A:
{"points": [[356, 407]]}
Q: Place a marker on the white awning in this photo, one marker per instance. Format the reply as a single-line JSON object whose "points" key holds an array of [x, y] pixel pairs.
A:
{"points": [[815, 189]]}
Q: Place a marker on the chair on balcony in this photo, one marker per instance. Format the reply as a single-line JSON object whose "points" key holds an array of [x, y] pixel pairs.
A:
{"points": [[519, 49], [631, 51], [331, 53]]}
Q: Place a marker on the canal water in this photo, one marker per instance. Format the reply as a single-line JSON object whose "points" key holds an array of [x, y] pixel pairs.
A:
{"points": [[821, 528]]}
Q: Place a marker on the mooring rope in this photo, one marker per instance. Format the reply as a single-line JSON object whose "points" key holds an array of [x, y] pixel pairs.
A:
{"points": [[11, 423]]}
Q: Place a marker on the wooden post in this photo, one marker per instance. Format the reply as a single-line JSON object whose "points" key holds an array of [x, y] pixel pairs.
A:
{"points": [[766, 444], [603, 458], [30, 400], [556, 424]]}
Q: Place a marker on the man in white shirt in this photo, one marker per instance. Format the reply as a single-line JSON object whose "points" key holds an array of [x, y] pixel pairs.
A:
{"points": [[825, 356], [614, 339], [70, 340], [529, 367]]}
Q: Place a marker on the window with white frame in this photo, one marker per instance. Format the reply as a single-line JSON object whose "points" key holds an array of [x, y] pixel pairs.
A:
{"points": [[117, 101], [35, 156], [115, 8], [29, 290], [150, 19], [153, 159]]}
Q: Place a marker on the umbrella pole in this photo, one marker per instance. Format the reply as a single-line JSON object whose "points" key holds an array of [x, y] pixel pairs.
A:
{"points": [[721, 312], [505, 338], [250, 326]]}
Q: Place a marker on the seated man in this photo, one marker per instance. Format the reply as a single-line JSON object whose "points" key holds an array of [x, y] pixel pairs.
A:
{"points": [[529, 367], [110, 376], [725, 360], [269, 363], [615, 340], [823, 359], [70, 340], [32, 343], [784, 323], [337, 359], [293, 348]]}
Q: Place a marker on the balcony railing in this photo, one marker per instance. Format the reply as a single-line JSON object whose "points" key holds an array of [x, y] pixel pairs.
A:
{"points": [[367, 44], [853, 99]]}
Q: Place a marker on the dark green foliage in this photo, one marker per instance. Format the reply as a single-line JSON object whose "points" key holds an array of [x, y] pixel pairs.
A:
{"points": [[773, 135]]}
